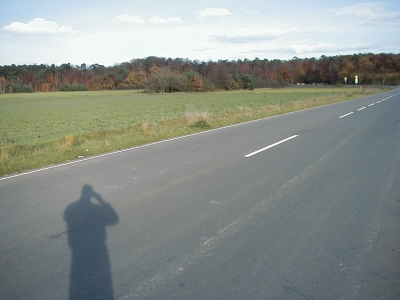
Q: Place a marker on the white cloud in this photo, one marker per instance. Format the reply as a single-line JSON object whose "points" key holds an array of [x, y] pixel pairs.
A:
{"points": [[299, 49], [66, 29], [257, 35], [128, 19], [251, 12], [159, 20], [328, 48], [304, 48], [366, 11], [38, 26], [174, 20], [213, 12], [203, 49], [380, 23]]}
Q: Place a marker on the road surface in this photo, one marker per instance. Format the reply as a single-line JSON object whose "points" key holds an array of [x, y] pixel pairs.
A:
{"points": [[299, 206]]}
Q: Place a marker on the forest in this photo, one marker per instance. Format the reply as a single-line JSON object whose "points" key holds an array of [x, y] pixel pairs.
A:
{"points": [[165, 75]]}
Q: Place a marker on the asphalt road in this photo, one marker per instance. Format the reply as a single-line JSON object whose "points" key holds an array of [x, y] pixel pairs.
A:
{"points": [[299, 206]]}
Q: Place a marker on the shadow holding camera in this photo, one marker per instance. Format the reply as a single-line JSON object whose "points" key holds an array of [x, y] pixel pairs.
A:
{"points": [[87, 219]]}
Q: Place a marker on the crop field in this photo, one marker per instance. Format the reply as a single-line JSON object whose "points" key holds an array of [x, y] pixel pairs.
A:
{"points": [[39, 129]]}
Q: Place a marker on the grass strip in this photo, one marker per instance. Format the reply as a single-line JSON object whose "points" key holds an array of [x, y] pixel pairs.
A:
{"points": [[44, 129]]}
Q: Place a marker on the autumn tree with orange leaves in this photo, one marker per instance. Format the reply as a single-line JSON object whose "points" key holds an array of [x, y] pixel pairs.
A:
{"points": [[186, 75]]}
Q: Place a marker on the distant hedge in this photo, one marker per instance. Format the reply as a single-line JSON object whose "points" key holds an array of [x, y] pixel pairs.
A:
{"points": [[65, 87]]}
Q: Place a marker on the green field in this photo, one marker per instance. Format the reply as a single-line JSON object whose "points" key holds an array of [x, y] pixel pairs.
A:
{"points": [[39, 129]]}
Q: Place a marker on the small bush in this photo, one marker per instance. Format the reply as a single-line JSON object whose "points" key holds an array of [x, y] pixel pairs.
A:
{"points": [[78, 87], [282, 82], [26, 89], [18, 88], [64, 87], [247, 82], [201, 124]]}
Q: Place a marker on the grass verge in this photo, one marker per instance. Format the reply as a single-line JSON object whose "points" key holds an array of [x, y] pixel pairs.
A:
{"points": [[42, 129]]}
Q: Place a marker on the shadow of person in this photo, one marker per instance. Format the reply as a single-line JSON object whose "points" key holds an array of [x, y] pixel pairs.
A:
{"points": [[90, 276]]}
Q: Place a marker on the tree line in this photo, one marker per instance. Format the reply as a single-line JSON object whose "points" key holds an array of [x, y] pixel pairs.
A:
{"points": [[165, 75]]}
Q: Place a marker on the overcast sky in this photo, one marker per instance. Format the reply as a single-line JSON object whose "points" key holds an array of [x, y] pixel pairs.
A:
{"points": [[115, 31]]}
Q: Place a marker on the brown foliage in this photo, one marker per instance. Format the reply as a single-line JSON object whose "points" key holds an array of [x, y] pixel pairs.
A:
{"points": [[3, 84], [135, 79], [371, 69]]}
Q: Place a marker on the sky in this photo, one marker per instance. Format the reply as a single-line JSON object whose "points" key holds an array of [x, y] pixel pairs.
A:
{"points": [[110, 32]]}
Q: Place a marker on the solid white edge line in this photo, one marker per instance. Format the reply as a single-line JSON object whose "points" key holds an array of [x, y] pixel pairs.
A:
{"points": [[138, 147], [361, 108], [346, 115], [163, 141], [270, 146], [110, 153]]}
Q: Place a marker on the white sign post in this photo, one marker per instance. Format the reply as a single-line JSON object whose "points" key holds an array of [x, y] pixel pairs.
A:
{"points": [[345, 81], [356, 80]]}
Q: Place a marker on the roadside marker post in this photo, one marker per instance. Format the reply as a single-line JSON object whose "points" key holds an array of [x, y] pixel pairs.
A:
{"points": [[356, 80]]}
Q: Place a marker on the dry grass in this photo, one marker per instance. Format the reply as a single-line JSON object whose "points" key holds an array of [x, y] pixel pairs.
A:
{"points": [[193, 117], [213, 109]]}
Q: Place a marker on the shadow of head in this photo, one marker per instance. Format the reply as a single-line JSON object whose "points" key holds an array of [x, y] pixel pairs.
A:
{"points": [[87, 190]]}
